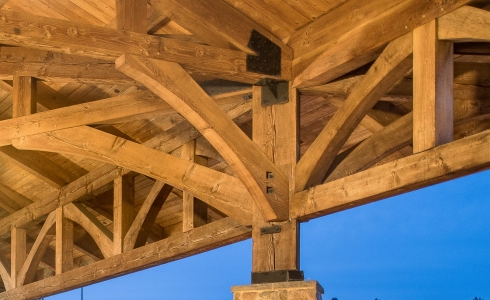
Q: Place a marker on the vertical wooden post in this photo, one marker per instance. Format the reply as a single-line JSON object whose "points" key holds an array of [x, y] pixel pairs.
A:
{"points": [[433, 76], [275, 131], [24, 96], [123, 210], [64, 242], [131, 15], [18, 254], [194, 211]]}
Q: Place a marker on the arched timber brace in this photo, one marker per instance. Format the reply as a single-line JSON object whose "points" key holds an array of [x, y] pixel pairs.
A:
{"points": [[172, 83]]}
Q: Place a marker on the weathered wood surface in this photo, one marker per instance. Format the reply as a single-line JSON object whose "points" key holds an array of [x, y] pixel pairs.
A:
{"points": [[466, 24], [436, 165], [202, 239]]}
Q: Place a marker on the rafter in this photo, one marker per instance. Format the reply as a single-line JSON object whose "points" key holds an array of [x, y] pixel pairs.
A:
{"points": [[354, 48], [216, 22], [219, 190], [466, 24], [108, 44], [172, 83], [394, 62]]}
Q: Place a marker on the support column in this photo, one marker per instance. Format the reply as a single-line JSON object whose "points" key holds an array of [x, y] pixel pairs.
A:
{"points": [[64, 243], [194, 211], [24, 96], [433, 76], [18, 253], [123, 210], [275, 253]]}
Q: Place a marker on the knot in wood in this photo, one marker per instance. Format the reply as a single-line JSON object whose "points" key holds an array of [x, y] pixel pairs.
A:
{"points": [[72, 32]]}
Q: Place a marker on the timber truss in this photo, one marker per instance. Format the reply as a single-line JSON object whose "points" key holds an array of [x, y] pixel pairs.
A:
{"points": [[134, 132]]}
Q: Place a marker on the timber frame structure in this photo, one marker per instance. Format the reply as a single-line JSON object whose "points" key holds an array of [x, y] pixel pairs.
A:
{"points": [[137, 132]]}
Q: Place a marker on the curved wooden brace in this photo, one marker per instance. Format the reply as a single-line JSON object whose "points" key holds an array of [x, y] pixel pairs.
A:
{"points": [[173, 84], [141, 226], [219, 190], [5, 272], [78, 213], [28, 270], [466, 24], [392, 64]]}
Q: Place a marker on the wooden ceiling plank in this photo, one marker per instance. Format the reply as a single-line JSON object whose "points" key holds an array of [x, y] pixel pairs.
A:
{"points": [[229, 196], [354, 48], [28, 270], [229, 27], [131, 15], [109, 44], [205, 238], [394, 62], [172, 83], [466, 24], [459, 158]]}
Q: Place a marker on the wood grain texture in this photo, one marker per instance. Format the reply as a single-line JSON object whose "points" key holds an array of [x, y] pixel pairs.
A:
{"points": [[123, 210], [108, 44], [172, 83], [436, 165], [361, 44], [433, 73], [393, 63], [18, 253], [217, 189], [466, 24], [24, 96], [131, 15], [202, 239], [64, 242]]}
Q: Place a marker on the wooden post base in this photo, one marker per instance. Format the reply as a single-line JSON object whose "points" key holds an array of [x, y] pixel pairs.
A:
{"points": [[305, 290]]}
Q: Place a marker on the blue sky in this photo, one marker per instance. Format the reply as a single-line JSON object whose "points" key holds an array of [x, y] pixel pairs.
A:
{"points": [[433, 243]]}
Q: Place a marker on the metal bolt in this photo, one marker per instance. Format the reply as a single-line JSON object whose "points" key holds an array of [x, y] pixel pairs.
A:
{"points": [[270, 175], [270, 190]]}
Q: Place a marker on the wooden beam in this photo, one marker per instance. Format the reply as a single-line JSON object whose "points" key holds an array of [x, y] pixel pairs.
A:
{"points": [[466, 24], [194, 211], [12, 201], [124, 108], [64, 242], [433, 74], [216, 22], [38, 165], [60, 67], [29, 268], [141, 227], [24, 96], [78, 213], [108, 44], [275, 131], [123, 210], [394, 62], [205, 238], [18, 253], [354, 48], [172, 83], [439, 164], [5, 272], [131, 15], [222, 191]]}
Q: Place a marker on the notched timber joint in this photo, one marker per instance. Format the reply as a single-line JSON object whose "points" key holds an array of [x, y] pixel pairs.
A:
{"points": [[268, 58], [273, 91], [270, 230], [277, 276]]}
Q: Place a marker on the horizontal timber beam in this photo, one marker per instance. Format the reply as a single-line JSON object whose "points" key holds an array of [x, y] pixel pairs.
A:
{"points": [[433, 166], [355, 48], [219, 190], [204, 238], [58, 67], [26, 30]]}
